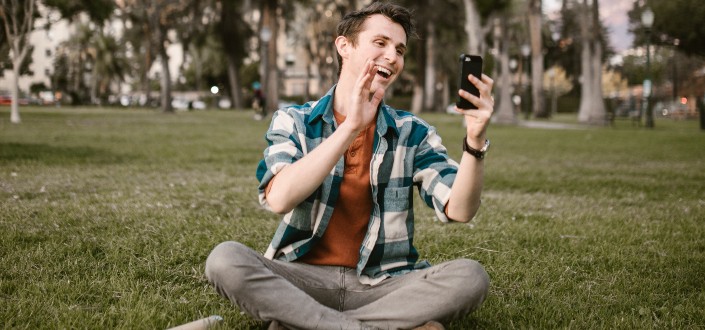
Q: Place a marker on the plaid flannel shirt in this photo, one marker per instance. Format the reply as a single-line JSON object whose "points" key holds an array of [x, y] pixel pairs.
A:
{"points": [[407, 153]]}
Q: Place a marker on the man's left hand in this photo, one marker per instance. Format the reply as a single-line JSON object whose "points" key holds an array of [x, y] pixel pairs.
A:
{"points": [[477, 120]]}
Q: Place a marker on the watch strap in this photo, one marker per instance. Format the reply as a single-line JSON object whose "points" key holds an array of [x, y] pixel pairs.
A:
{"points": [[479, 154]]}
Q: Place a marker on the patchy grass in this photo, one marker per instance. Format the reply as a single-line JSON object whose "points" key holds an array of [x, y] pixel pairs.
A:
{"points": [[107, 216]]}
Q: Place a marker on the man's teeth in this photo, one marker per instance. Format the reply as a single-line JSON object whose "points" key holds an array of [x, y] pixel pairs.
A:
{"points": [[384, 71]]}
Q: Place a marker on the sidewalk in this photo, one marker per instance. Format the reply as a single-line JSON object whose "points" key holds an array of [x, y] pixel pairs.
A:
{"points": [[549, 125]]}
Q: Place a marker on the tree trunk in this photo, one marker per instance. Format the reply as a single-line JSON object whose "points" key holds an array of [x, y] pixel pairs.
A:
{"points": [[417, 98], [597, 111], [473, 28], [505, 110], [539, 108], [17, 29], [165, 82], [445, 92], [15, 109], [94, 88], [271, 73], [586, 67], [430, 69], [234, 79]]}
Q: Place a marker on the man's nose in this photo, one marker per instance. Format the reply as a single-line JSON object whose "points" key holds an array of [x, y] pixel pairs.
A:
{"points": [[391, 55]]}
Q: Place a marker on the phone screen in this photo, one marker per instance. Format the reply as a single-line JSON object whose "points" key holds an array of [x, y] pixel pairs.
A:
{"points": [[469, 64]]}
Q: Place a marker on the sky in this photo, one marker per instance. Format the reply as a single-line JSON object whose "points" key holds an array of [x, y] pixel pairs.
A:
{"points": [[613, 14]]}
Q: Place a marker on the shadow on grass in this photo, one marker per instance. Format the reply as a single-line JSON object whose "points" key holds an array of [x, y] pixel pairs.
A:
{"points": [[53, 155]]}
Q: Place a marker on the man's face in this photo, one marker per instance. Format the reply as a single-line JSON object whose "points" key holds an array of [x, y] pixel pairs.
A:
{"points": [[384, 42]]}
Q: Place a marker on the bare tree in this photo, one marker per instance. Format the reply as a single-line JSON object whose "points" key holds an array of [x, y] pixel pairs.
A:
{"points": [[18, 20]]}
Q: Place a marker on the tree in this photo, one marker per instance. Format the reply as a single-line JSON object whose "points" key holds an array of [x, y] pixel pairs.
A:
{"points": [[158, 17], [676, 19], [73, 58], [233, 28], [90, 49], [109, 64], [536, 42], [435, 73], [269, 33], [18, 22], [592, 106], [98, 11]]}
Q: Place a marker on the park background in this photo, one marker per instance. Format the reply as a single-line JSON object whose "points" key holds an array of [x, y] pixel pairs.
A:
{"points": [[126, 154]]}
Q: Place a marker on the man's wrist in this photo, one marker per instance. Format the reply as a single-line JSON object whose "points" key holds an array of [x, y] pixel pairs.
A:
{"points": [[478, 153], [475, 143]]}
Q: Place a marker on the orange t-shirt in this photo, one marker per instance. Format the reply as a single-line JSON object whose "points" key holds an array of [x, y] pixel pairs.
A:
{"points": [[341, 241]]}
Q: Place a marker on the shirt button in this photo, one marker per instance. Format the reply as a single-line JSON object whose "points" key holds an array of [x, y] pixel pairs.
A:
{"points": [[353, 153]]}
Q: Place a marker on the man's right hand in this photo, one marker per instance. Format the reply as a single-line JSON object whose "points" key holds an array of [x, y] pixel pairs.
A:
{"points": [[364, 101]]}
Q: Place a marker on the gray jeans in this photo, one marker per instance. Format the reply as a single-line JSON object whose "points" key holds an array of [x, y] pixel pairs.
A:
{"points": [[303, 296]]}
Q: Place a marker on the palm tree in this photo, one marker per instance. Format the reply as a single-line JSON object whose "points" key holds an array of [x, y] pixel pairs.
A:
{"points": [[109, 64]]}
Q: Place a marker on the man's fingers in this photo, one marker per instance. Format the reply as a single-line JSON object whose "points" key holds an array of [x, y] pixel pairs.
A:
{"points": [[377, 97], [364, 81], [482, 103]]}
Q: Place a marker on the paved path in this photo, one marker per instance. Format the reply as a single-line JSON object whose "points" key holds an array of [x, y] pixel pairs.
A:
{"points": [[549, 125]]}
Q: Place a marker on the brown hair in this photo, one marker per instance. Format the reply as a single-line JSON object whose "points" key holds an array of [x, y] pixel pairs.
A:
{"points": [[351, 25]]}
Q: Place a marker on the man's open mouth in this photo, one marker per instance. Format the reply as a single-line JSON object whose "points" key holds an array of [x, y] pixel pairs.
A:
{"points": [[385, 73]]}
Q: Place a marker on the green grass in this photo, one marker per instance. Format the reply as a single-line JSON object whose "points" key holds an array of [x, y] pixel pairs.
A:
{"points": [[107, 216]]}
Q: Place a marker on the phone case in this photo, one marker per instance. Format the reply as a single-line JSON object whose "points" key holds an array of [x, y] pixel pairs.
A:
{"points": [[469, 64]]}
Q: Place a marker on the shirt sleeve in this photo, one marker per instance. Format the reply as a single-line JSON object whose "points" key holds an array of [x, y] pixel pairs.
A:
{"points": [[434, 173], [283, 149]]}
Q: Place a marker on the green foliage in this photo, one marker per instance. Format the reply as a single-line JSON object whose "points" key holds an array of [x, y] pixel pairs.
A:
{"points": [[108, 216], [98, 10], [634, 67], [673, 19]]}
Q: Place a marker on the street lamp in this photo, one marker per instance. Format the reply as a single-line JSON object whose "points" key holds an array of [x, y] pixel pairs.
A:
{"points": [[525, 52], [556, 36], [647, 20]]}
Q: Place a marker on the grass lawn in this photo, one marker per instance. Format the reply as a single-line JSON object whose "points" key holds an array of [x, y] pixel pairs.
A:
{"points": [[107, 216]]}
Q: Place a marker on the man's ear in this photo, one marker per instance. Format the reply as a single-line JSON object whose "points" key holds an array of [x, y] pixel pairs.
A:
{"points": [[343, 45]]}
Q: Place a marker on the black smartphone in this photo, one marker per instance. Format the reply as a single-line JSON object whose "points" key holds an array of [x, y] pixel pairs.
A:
{"points": [[469, 64]]}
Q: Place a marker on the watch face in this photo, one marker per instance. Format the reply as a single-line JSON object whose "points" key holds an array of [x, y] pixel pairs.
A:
{"points": [[486, 147]]}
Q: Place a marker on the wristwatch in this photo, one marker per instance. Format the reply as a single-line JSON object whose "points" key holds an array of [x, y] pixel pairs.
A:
{"points": [[479, 154]]}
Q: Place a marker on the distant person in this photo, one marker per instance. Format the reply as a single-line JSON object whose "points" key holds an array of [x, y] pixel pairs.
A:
{"points": [[342, 170], [258, 101]]}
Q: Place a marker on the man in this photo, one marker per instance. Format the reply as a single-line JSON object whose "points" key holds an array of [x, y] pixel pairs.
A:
{"points": [[341, 170]]}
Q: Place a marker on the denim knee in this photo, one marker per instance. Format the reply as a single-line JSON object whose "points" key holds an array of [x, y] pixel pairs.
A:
{"points": [[225, 259], [475, 283]]}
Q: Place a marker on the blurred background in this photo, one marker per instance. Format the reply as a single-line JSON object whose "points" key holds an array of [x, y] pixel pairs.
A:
{"points": [[600, 60]]}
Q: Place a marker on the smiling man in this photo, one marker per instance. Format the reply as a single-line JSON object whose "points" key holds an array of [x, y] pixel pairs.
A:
{"points": [[342, 171]]}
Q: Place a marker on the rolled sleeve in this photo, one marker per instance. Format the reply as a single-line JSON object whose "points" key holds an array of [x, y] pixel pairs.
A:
{"points": [[284, 149], [434, 173]]}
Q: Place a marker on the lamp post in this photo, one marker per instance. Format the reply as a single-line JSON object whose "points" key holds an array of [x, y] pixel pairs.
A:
{"points": [[525, 52], [513, 66], [555, 36], [647, 19]]}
